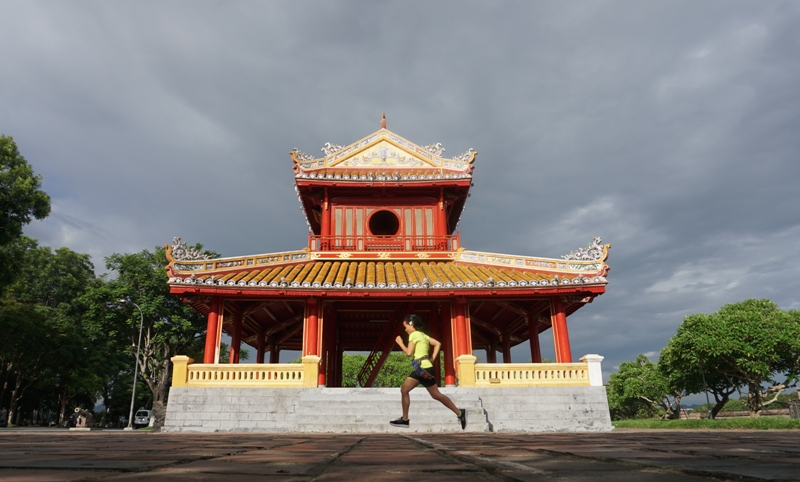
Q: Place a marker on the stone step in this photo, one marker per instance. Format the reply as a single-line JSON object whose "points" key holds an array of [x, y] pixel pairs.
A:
{"points": [[441, 417], [370, 410], [363, 408]]}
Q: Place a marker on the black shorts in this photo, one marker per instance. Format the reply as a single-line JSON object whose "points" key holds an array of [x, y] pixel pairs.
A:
{"points": [[425, 382]]}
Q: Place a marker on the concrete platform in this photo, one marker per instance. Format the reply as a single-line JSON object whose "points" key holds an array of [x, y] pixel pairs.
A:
{"points": [[368, 410], [32, 455]]}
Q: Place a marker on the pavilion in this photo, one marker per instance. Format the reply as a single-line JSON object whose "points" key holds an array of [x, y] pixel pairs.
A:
{"points": [[382, 214]]}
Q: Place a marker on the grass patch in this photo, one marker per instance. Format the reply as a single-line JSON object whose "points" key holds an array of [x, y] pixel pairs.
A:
{"points": [[745, 423]]}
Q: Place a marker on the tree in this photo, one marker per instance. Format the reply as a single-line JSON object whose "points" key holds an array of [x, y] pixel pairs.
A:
{"points": [[29, 339], [640, 389], [170, 327], [21, 198], [40, 318], [755, 344], [686, 362]]}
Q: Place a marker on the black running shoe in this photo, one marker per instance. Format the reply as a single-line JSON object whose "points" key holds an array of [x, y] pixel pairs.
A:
{"points": [[463, 419], [400, 423]]}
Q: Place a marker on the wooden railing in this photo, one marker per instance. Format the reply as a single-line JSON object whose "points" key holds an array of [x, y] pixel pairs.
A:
{"points": [[251, 375], [384, 243], [586, 373]]}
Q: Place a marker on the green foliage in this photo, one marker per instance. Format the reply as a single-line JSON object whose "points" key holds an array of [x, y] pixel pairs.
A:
{"points": [[640, 390], [169, 327], [750, 345], [52, 279], [21, 200], [21, 195], [393, 372], [45, 343], [745, 423], [686, 361]]}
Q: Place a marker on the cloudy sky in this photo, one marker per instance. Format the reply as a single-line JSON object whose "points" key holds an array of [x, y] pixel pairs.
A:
{"points": [[671, 129]]}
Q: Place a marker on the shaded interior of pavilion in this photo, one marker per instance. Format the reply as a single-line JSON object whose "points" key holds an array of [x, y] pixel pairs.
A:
{"points": [[270, 327]]}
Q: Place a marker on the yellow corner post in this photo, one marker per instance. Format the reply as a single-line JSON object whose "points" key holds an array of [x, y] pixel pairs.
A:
{"points": [[466, 370], [180, 370]]}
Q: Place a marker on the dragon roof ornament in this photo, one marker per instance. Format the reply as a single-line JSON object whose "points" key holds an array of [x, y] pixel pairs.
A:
{"points": [[182, 252], [466, 156], [435, 149], [329, 148], [595, 251], [302, 156]]}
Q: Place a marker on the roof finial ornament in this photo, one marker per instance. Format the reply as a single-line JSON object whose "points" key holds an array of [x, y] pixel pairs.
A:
{"points": [[383, 121]]}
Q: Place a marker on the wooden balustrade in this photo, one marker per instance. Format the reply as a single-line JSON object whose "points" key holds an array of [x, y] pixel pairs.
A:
{"points": [[384, 243]]}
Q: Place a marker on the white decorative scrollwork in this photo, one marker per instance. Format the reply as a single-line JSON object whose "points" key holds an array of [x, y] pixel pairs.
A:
{"points": [[182, 252], [592, 252], [435, 148], [329, 148], [465, 157], [302, 156]]}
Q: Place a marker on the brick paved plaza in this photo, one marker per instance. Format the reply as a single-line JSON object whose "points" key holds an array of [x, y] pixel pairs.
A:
{"points": [[623, 455]]}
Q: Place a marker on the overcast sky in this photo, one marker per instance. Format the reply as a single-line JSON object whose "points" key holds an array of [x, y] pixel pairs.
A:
{"points": [[670, 129]]}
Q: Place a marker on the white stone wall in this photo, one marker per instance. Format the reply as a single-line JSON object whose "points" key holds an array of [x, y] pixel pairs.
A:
{"points": [[536, 409]]}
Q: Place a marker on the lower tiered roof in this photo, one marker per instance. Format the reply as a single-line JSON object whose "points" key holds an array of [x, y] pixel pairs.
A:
{"points": [[460, 270]]}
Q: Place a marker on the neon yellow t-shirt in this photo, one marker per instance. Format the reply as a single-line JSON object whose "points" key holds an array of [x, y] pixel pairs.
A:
{"points": [[422, 347]]}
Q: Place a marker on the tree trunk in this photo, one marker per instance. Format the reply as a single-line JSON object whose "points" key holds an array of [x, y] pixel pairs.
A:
{"points": [[63, 409], [12, 409], [720, 403], [754, 399]]}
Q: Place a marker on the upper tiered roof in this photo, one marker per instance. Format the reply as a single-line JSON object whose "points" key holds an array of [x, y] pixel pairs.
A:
{"points": [[382, 157], [381, 161]]}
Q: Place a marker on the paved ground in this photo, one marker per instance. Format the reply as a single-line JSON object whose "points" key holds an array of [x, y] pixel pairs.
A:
{"points": [[623, 455]]}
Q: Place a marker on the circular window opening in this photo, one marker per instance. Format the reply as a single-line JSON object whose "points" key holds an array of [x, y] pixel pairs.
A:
{"points": [[384, 223]]}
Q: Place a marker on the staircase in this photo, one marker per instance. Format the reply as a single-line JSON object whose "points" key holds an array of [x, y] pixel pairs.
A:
{"points": [[348, 410], [369, 372]]}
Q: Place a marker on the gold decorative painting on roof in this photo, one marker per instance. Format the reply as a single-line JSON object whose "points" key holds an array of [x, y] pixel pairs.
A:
{"points": [[383, 156]]}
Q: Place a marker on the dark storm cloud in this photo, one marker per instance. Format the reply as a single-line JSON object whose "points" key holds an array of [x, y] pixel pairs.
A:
{"points": [[670, 129]]}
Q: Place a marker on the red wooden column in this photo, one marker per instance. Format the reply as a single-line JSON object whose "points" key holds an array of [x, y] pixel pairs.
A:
{"points": [[460, 343], [442, 215], [329, 331], [533, 333], [435, 331], [560, 333], [328, 341], [447, 342], [325, 229], [506, 348], [311, 329], [236, 338], [261, 347], [211, 331]]}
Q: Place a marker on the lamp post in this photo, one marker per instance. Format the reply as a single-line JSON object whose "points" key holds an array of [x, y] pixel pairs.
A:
{"points": [[136, 364]]}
